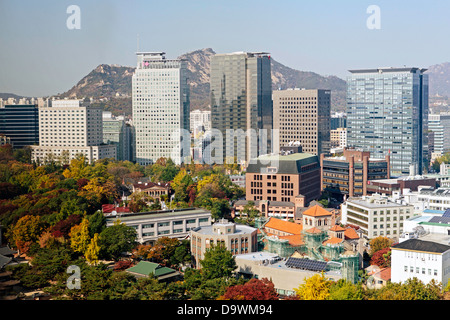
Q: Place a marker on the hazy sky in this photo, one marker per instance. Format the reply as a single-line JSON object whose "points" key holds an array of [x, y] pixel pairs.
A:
{"points": [[40, 56]]}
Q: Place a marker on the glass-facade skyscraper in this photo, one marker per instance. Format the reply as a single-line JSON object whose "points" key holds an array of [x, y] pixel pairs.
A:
{"points": [[387, 112], [241, 99], [20, 122]]}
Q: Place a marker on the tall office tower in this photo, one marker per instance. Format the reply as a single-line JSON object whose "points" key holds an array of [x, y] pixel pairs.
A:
{"points": [[117, 132], [304, 116], [387, 112], [439, 124], [20, 124], [69, 128], [241, 89], [160, 108]]}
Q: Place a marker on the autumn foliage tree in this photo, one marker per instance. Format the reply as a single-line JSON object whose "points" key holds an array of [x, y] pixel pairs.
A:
{"points": [[381, 258], [26, 231], [254, 289], [314, 288]]}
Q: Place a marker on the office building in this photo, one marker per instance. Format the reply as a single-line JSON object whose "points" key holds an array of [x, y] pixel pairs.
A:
{"points": [[426, 258], [69, 128], [304, 116], [387, 112], [160, 108], [117, 132], [237, 238], [376, 215], [241, 104], [439, 125], [20, 124], [150, 226], [290, 176], [338, 138], [350, 174], [338, 120], [200, 121]]}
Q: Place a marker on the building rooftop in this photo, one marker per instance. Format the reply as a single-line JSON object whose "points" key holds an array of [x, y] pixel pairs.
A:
{"points": [[388, 69], [375, 201], [422, 245], [283, 225], [145, 268], [285, 164], [240, 229], [156, 214], [317, 211]]}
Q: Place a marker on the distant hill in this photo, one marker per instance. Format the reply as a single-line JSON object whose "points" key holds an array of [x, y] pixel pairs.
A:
{"points": [[114, 82], [439, 77]]}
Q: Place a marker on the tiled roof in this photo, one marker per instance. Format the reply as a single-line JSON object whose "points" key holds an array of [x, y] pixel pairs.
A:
{"points": [[333, 240], [384, 274], [314, 230], [294, 240], [285, 226], [337, 227], [146, 268], [317, 211], [351, 234]]}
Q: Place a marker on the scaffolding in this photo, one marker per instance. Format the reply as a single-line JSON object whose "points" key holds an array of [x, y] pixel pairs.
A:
{"points": [[338, 259]]}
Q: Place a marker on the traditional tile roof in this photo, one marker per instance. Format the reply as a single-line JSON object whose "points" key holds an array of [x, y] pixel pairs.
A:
{"points": [[108, 208], [145, 268], [317, 211], [285, 226]]}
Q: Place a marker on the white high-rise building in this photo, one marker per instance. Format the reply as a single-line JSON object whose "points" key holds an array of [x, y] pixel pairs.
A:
{"points": [[68, 128], [160, 108], [200, 121]]}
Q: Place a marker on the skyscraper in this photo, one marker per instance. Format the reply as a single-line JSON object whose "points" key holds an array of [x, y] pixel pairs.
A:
{"points": [[439, 124], [387, 112], [117, 132], [160, 108], [20, 123], [241, 89], [304, 116]]}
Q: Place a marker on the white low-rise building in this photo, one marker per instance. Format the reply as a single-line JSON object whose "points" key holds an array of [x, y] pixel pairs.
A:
{"points": [[425, 257]]}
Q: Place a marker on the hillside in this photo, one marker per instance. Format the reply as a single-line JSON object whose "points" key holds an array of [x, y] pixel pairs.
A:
{"points": [[114, 82]]}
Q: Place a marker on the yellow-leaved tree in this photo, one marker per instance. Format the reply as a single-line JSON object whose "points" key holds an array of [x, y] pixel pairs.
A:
{"points": [[79, 236], [93, 250], [314, 288]]}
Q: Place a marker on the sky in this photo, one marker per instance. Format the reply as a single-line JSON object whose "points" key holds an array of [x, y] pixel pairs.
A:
{"points": [[41, 56]]}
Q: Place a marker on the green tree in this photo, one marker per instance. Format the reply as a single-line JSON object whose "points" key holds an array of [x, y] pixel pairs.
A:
{"points": [[345, 290], [117, 239], [218, 262]]}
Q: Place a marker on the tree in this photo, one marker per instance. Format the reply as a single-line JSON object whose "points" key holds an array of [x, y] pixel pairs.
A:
{"points": [[381, 258], [62, 228], [218, 262], [79, 237], [97, 223], [117, 239], [254, 289], [314, 288], [93, 250], [411, 289], [27, 230], [345, 290], [379, 243]]}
